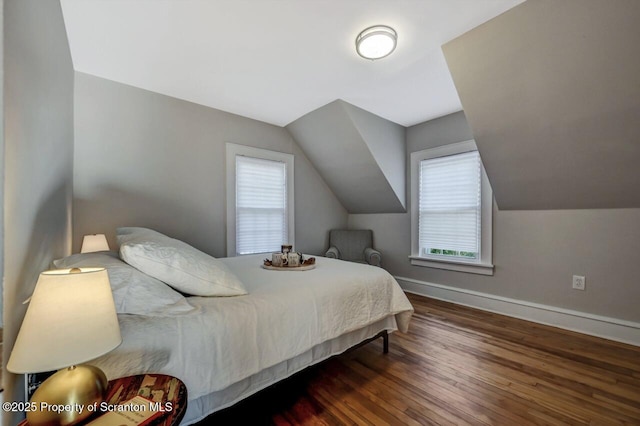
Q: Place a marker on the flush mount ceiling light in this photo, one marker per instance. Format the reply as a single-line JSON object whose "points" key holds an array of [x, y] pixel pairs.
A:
{"points": [[376, 42]]}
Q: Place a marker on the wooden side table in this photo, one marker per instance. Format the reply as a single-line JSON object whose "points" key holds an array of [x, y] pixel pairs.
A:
{"points": [[157, 387]]}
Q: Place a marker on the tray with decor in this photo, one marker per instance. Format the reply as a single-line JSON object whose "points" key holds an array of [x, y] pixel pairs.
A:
{"points": [[305, 265]]}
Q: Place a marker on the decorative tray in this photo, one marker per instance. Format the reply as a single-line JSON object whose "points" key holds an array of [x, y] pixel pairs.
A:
{"points": [[289, 268], [306, 265]]}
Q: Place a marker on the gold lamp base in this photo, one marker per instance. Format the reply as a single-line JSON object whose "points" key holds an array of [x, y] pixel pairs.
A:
{"points": [[65, 397]]}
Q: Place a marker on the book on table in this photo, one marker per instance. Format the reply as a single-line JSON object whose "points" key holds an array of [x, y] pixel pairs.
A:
{"points": [[137, 411]]}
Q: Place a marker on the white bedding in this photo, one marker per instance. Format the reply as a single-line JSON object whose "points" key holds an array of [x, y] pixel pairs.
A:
{"points": [[228, 339], [200, 408]]}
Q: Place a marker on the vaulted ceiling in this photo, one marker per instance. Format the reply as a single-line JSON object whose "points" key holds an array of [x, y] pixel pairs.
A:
{"points": [[551, 88], [276, 60]]}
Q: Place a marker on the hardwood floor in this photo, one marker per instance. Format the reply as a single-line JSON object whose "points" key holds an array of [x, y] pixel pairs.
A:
{"points": [[458, 365]]}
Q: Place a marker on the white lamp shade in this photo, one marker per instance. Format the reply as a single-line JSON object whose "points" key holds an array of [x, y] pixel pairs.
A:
{"points": [[71, 319], [95, 242]]}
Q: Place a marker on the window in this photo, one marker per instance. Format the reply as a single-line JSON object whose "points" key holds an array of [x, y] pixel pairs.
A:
{"points": [[259, 200], [451, 209]]}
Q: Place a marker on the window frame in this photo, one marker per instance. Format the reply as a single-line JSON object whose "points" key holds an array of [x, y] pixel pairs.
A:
{"points": [[483, 265], [233, 150]]}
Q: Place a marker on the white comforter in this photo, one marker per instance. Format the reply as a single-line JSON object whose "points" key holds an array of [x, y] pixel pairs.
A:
{"points": [[230, 338]]}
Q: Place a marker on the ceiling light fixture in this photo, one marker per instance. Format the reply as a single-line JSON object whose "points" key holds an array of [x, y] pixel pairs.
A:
{"points": [[376, 42]]}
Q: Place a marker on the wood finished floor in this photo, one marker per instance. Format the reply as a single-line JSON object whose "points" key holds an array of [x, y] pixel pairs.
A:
{"points": [[459, 366]]}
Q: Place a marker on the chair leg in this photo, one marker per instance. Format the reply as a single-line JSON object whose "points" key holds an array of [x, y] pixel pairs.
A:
{"points": [[385, 342]]}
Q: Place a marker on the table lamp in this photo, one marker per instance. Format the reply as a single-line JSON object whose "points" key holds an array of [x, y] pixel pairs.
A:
{"points": [[71, 319], [94, 242]]}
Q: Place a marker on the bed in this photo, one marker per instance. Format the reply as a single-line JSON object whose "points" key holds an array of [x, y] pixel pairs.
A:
{"points": [[227, 348]]}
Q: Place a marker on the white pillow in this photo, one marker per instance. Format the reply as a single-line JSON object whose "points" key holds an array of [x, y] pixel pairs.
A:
{"points": [[133, 291], [177, 263]]}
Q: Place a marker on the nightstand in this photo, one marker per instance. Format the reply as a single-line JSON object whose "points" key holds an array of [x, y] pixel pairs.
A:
{"points": [[157, 387]]}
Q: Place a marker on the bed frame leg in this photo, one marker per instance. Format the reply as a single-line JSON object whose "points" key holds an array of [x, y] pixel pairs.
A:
{"points": [[385, 341]]}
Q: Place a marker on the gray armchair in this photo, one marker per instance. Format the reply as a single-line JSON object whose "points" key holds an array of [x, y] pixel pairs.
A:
{"points": [[353, 245]]}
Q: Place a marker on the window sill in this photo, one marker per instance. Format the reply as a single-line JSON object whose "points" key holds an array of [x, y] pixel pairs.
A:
{"points": [[459, 266]]}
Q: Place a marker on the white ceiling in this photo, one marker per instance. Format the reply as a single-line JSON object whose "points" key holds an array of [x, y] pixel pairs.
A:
{"points": [[276, 60]]}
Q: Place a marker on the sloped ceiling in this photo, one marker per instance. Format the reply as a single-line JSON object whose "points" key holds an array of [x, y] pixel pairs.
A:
{"points": [[551, 90], [276, 60], [361, 156]]}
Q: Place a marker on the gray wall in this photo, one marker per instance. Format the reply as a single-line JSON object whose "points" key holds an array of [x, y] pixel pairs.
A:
{"points": [[1, 162], [145, 159], [535, 252], [552, 89], [332, 138], [387, 142], [38, 162]]}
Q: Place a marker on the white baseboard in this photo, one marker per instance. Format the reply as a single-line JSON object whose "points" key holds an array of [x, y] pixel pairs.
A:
{"points": [[582, 322]]}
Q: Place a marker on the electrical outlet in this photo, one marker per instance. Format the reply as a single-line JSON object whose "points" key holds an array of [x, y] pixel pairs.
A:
{"points": [[579, 282]]}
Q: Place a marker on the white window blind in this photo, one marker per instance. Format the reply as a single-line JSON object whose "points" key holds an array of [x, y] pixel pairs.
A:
{"points": [[261, 205], [450, 206]]}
